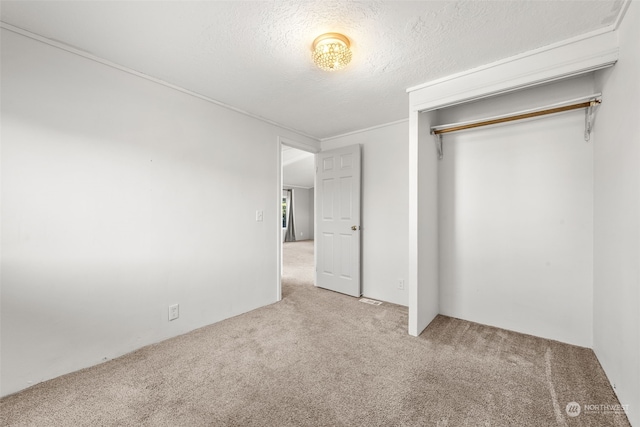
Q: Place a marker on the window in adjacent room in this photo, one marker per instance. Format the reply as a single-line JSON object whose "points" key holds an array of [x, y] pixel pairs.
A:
{"points": [[284, 212]]}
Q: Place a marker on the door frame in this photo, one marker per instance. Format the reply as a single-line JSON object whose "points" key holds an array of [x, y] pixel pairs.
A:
{"points": [[310, 149]]}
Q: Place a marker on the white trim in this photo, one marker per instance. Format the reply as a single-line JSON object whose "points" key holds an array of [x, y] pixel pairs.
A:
{"points": [[279, 227], [364, 130], [568, 58], [412, 280], [108, 63], [286, 186]]}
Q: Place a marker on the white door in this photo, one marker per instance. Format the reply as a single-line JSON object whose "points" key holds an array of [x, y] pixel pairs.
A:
{"points": [[338, 220]]}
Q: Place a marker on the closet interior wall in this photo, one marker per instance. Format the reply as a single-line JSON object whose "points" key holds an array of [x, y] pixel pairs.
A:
{"points": [[516, 216], [616, 312]]}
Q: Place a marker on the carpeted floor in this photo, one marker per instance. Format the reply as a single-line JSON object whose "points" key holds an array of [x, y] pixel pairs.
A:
{"points": [[318, 358]]}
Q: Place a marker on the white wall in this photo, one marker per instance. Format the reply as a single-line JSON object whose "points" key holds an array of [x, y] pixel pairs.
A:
{"points": [[303, 215], [516, 217], [384, 209], [120, 197], [616, 331]]}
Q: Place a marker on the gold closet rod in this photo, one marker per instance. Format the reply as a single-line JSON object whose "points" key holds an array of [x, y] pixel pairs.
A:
{"points": [[577, 106]]}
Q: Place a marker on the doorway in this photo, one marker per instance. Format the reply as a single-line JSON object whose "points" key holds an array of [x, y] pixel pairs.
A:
{"points": [[296, 215]]}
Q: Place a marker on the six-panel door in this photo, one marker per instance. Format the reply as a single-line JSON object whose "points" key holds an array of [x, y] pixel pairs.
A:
{"points": [[338, 220]]}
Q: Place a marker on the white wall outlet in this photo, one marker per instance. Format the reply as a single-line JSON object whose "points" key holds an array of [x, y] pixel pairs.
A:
{"points": [[259, 216], [174, 312], [401, 284]]}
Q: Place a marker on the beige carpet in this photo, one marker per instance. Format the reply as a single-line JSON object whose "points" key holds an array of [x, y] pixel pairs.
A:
{"points": [[319, 358]]}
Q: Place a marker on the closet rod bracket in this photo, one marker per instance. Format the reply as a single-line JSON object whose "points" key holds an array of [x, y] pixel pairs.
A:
{"points": [[588, 118], [439, 145]]}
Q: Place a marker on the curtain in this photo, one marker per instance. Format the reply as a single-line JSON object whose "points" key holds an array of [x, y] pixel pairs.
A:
{"points": [[290, 236], [285, 213]]}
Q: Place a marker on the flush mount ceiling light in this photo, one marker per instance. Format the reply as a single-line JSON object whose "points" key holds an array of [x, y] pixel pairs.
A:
{"points": [[331, 51]]}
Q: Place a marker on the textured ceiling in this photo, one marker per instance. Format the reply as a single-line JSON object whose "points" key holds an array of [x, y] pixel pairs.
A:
{"points": [[256, 56]]}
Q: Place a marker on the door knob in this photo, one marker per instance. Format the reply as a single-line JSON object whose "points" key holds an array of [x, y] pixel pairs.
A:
{"points": [[354, 227]]}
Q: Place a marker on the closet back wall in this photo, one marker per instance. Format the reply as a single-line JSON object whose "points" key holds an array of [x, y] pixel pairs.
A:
{"points": [[516, 217]]}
